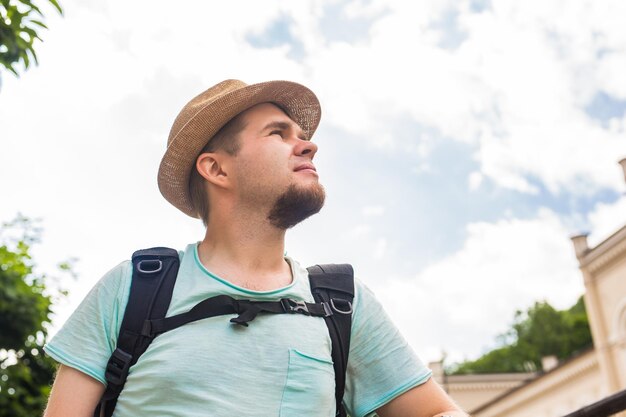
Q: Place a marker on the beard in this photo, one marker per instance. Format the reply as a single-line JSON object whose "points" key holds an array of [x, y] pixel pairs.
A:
{"points": [[295, 205]]}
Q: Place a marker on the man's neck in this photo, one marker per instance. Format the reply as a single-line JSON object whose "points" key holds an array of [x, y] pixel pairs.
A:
{"points": [[249, 253]]}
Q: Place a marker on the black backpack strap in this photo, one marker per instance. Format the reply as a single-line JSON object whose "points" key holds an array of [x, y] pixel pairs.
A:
{"points": [[334, 284], [247, 311], [154, 276]]}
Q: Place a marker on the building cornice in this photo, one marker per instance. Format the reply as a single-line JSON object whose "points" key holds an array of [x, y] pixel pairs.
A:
{"points": [[473, 386], [605, 252], [479, 382]]}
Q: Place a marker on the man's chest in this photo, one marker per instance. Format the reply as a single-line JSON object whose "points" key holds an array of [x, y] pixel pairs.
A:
{"points": [[280, 364]]}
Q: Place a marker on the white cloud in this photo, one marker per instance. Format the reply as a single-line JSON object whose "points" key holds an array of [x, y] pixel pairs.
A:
{"points": [[373, 211], [606, 219], [474, 180], [464, 300], [380, 248], [515, 88], [610, 76], [359, 231]]}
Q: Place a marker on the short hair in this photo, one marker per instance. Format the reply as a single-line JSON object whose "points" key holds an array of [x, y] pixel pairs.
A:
{"points": [[227, 140]]}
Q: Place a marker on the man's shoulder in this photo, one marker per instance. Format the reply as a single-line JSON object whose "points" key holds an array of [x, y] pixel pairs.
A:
{"points": [[123, 271], [188, 250]]}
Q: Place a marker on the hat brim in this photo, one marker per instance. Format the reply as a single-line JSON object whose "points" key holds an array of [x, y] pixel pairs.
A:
{"points": [[296, 100]]}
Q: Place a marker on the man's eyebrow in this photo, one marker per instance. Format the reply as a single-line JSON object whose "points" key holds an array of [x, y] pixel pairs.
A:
{"points": [[277, 125], [285, 126]]}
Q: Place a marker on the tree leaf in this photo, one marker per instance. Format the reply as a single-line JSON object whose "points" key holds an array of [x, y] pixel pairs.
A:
{"points": [[18, 31], [56, 4], [38, 23]]}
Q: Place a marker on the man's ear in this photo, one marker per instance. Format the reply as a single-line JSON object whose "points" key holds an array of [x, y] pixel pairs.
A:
{"points": [[210, 166]]}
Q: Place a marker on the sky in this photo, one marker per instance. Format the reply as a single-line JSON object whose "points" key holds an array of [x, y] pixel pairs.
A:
{"points": [[461, 144]]}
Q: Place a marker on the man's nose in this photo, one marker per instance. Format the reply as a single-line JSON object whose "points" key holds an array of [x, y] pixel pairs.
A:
{"points": [[306, 148]]}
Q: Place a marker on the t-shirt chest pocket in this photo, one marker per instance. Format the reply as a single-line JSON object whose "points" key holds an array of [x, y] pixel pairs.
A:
{"points": [[310, 386]]}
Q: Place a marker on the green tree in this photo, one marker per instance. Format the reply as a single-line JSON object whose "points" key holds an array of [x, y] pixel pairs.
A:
{"points": [[19, 23], [538, 332], [25, 309]]}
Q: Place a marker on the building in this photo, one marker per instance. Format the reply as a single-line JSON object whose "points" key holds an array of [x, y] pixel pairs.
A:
{"points": [[590, 376]]}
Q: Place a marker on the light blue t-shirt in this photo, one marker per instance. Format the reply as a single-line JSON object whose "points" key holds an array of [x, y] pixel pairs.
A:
{"points": [[278, 366]]}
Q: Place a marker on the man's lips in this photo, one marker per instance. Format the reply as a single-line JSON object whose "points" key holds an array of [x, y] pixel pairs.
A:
{"points": [[306, 167]]}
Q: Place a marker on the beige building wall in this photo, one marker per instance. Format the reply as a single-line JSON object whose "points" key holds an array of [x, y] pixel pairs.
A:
{"points": [[570, 386], [472, 391], [604, 271], [612, 291]]}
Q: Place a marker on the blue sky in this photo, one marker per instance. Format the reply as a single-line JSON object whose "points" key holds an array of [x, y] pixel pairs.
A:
{"points": [[461, 143]]}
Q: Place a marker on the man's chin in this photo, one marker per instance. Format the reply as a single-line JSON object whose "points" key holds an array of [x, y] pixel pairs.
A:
{"points": [[296, 204]]}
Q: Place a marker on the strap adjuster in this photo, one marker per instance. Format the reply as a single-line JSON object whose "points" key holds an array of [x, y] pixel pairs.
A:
{"points": [[294, 306], [117, 367], [327, 309]]}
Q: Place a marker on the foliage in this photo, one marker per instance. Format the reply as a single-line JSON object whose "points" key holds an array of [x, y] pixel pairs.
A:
{"points": [[25, 309], [541, 331], [19, 22]]}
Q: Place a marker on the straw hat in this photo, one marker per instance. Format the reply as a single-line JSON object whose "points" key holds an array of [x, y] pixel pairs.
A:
{"points": [[207, 113]]}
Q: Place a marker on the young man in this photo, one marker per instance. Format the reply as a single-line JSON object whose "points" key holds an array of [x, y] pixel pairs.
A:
{"points": [[240, 157]]}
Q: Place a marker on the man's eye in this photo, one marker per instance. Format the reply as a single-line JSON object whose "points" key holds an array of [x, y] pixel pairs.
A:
{"points": [[277, 132]]}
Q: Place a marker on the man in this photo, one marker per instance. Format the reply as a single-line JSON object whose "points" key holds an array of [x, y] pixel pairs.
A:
{"points": [[240, 158]]}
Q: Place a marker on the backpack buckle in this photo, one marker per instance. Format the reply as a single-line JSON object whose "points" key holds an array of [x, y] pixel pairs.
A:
{"points": [[341, 306], [293, 306], [149, 266], [117, 367]]}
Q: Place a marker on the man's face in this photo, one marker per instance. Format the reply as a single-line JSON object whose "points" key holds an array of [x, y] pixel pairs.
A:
{"points": [[274, 169]]}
